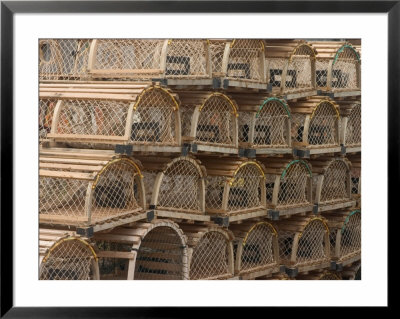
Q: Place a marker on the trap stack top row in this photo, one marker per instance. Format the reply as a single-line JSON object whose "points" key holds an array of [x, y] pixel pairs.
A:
{"points": [[279, 66]]}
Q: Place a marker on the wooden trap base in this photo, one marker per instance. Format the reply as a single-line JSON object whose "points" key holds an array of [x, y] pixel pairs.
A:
{"points": [[307, 152], [277, 213], [339, 264], [251, 274], [335, 206], [339, 94], [294, 271], [224, 220], [182, 216]]}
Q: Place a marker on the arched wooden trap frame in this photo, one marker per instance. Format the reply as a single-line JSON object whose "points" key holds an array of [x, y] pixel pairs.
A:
{"points": [[264, 124], [338, 66], [304, 244], [320, 275], [239, 62], [175, 187], [315, 126], [143, 251], [210, 252], [351, 125], [142, 114], [288, 186], [85, 190], [65, 256], [63, 59], [235, 188], [209, 121], [290, 66], [332, 183], [256, 249], [143, 59], [345, 236]]}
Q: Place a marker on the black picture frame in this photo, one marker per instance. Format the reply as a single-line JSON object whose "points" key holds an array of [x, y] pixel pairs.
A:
{"points": [[9, 8]]}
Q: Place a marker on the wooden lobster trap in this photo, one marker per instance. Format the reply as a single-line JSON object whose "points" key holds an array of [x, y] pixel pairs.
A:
{"points": [[356, 177], [288, 186], [91, 114], [235, 189], [209, 121], [65, 256], [332, 183], [351, 125], [175, 187], [89, 190], [264, 124], [256, 249], [145, 59], [304, 244], [345, 236], [290, 66], [210, 252], [239, 63], [143, 251], [338, 68], [315, 126], [63, 59]]}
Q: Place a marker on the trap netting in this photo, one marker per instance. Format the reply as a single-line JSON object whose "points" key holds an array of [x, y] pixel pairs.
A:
{"points": [[355, 181], [350, 243], [297, 127], [217, 121], [214, 191], [63, 59], [312, 242], [335, 183], [217, 49], [245, 188], [155, 119], [160, 255], [353, 128], [101, 119], [323, 128], [112, 268], [245, 122], [285, 242], [293, 188], [245, 60], [187, 58], [345, 69], [83, 197], [299, 71], [257, 251], [270, 127], [210, 259], [321, 72], [137, 59], [68, 259], [180, 188], [275, 68], [46, 111], [186, 113]]}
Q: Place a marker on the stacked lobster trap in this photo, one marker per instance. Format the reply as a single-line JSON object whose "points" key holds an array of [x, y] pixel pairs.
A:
{"points": [[199, 159]]}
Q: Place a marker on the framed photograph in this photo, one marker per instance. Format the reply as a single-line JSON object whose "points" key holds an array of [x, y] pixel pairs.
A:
{"points": [[81, 186]]}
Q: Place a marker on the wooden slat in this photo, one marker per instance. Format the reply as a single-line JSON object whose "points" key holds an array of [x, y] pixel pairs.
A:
{"points": [[71, 167], [115, 254], [95, 96], [87, 137], [66, 175]]}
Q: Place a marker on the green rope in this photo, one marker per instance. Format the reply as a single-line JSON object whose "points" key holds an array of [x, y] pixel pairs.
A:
{"points": [[341, 50], [283, 103], [295, 161], [348, 218]]}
